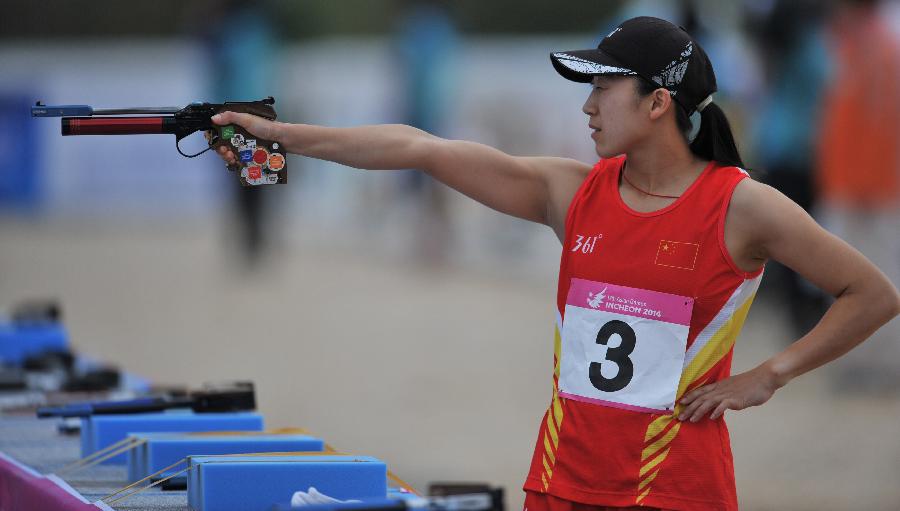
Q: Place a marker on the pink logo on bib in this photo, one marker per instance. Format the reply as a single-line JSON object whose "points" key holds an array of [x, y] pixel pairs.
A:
{"points": [[641, 303]]}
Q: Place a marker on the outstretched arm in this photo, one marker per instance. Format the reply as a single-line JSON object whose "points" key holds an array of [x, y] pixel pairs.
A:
{"points": [[768, 225], [533, 188]]}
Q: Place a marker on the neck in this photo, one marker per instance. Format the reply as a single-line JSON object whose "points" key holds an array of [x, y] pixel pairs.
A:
{"points": [[665, 167]]}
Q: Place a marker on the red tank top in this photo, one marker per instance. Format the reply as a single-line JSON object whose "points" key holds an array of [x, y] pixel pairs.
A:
{"points": [[663, 285]]}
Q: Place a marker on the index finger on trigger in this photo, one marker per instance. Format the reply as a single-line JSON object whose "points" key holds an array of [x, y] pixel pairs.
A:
{"points": [[221, 118], [228, 117]]}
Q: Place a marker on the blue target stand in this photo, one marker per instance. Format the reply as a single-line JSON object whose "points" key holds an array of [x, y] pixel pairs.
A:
{"points": [[21, 169]]}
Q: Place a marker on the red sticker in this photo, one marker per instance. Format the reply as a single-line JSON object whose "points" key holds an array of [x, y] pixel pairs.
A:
{"points": [[260, 156], [254, 172]]}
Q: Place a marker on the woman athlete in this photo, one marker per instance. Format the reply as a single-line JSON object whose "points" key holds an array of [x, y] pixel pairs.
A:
{"points": [[664, 242]]}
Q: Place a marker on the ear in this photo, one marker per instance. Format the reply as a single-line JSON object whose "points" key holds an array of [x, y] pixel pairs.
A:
{"points": [[660, 103]]}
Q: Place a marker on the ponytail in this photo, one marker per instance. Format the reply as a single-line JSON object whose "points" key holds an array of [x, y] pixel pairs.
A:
{"points": [[714, 141]]}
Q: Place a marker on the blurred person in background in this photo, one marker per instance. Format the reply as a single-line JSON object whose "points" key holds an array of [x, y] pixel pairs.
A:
{"points": [[792, 42], [243, 45], [426, 42], [662, 218], [859, 170]]}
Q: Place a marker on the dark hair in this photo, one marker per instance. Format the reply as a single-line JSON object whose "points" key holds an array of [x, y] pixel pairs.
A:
{"points": [[714, 140]]}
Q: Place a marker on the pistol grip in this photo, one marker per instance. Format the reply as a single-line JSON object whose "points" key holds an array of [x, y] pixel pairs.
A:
{"points": [[259, 161]]}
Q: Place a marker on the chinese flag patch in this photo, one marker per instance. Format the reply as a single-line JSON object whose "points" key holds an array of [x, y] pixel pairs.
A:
{"points": [[677, 254]]}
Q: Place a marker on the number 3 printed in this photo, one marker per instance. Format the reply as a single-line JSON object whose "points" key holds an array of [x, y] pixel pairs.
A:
{"points": [[619, 355]]}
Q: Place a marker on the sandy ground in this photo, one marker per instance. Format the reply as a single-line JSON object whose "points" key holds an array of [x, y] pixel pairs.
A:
{"points": [[442, 372]]}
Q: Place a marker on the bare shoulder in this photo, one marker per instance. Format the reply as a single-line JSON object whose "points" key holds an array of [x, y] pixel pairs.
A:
{"points": [[775, 227], [760, 213], [563, 177], [750, 192], [762, 224]]}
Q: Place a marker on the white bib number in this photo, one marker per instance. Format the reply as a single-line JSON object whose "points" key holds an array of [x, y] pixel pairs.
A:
{"points": [[623, 347]]}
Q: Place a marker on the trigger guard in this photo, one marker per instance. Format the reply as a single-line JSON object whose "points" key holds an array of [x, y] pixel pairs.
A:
{"points": [[178, 140]]}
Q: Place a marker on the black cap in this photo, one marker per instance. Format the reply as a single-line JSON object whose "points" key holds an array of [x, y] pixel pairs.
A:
{"points": [[659, 51]]}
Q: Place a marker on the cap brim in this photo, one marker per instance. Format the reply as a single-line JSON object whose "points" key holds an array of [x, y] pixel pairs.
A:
{"points": [[583, 65]]}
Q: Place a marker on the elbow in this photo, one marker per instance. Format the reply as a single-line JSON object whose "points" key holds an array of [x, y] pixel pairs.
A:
{"points": [[895, 308], [891, 301], [882, 299]]}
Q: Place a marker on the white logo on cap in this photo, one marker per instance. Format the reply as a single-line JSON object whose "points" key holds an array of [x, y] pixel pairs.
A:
{"points": [[672, 74], [617, 29], [580, 65]]}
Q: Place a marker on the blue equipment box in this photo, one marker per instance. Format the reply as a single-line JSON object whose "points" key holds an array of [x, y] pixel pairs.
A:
{"points": [[99, 431], [18, 342], [259, 482], [157, 451]]}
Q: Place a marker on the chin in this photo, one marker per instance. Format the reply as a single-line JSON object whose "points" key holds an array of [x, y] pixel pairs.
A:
{"points": [[605, 152]]}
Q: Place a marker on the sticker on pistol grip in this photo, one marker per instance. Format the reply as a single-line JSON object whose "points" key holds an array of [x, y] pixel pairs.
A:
{"points": [[276, 162], [260, 156]]}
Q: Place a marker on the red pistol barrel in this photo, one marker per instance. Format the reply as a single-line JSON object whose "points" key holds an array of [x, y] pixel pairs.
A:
{"points": [[117, 125]]}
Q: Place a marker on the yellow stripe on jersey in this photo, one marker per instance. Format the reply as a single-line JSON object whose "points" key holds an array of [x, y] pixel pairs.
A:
{"points": [[709, 348], [653, 463], [554, 413], [641, 496], [657, 426], [647, 479], [557, 409], [715, 350], [554, 435], [653, 448], [549, 451]]}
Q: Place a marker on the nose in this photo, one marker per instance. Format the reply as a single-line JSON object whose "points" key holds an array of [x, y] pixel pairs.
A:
{"points": [[589, 107]]}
